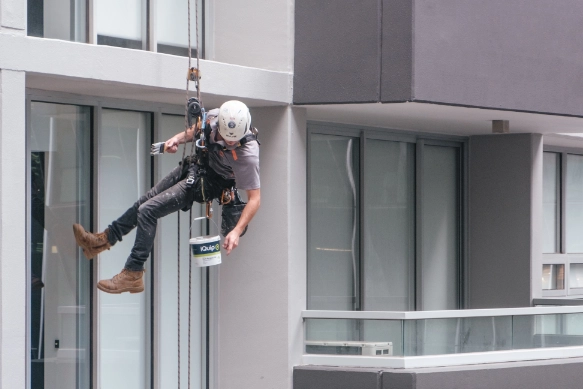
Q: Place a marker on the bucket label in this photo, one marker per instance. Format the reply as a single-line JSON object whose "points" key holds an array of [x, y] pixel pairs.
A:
{"points": [[205, 249]]}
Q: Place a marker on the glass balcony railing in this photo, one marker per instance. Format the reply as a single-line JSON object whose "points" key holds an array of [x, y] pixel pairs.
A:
{"points": [[463, 336]]}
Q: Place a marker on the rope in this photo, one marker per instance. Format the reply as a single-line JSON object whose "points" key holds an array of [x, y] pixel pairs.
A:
{"points": [[178, 283], [189, 306], [186, 127]]}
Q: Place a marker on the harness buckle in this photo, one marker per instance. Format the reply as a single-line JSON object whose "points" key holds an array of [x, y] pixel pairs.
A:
{"points": [[190, 180]]}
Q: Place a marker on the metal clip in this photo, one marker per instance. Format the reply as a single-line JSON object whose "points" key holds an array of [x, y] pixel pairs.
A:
{"points": [[190, 180], [226, 196], [209, 210], [193, 74]]}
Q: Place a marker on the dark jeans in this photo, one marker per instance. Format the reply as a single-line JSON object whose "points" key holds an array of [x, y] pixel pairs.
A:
{"points": [[167, 196]]}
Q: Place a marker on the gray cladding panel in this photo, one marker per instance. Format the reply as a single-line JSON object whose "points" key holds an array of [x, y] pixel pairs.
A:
{"points": [[568, 376], [500, 179], [337, 51], [334, 378], [397, 60], [519, 55]]}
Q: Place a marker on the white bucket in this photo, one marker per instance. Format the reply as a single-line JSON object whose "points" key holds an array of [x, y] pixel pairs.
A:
{"points": [[206, 250]]}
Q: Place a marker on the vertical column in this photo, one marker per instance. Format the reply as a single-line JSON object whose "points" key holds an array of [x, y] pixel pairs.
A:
{"points": [[13, 15], [13, 281], [262, 283]]}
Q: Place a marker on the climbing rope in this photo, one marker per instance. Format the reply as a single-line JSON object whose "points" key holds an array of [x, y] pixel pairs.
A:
{"points": [[192, 75]]}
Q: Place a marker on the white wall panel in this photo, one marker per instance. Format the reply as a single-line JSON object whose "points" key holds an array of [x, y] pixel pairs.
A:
{"points": [[13, 279]]}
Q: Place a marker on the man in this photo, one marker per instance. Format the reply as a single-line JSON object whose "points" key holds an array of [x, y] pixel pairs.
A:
{"points": [[229, 126]]}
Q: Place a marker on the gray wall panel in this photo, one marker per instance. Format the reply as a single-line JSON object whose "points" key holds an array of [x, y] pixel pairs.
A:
{"points": [[517, 55], [397, 51], [563, 374], [337, 51], [322, 377], [566, 376], [501, 175]]}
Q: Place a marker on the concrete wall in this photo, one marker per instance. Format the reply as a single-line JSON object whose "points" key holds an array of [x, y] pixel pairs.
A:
{"points": [[505, 217], [256, 33], [520, 54], [13, 16], [262, 283], [564, 374], [513, 55], [337, 56], [13, 225]]}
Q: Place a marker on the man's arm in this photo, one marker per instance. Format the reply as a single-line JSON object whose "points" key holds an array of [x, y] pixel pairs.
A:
{"points": [[253, 202], [171, 145]]}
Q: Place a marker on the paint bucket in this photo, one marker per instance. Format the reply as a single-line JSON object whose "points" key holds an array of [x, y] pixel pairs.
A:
{"points": [[206, 250]]}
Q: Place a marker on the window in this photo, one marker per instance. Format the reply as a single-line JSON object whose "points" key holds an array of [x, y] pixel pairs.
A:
{"points": [[122, 23], [562, 272], [60, 299], [124, 176], [172, 27], [80, 174], [58, 19], [134, 24], [384, 221]]}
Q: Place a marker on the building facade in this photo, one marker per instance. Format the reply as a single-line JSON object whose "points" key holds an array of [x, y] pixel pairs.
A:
{"points": [[421, 194]]}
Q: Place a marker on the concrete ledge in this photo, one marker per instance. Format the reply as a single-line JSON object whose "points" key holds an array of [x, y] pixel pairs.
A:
{"points": [[71, 67]]}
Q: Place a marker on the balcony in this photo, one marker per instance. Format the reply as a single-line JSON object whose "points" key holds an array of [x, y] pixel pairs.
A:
{"points": [[441, 338]]}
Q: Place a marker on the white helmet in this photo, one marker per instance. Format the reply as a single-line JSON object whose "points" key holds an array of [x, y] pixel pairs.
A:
{"points": [[234, 120]]}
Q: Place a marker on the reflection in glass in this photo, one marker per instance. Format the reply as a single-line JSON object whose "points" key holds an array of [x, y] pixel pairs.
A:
{"points": [[574, 205], [121, 23], [575, 275], [333, 252], [553, 277], [60, 184], [441, 228], [440, 336], [172, 27], [550, 201], [354, 337], [57, 19], [124, 175], [167, 286], [390, 229]]}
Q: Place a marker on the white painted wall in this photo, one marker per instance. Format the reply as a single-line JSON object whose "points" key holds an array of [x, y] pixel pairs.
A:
{"points": [[95, 70], [13, 16], [13, 280], [256, 33], [262, 283]]}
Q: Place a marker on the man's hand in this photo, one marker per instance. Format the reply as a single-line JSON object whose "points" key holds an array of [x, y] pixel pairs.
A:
{"points": [[171, 145], [231, 241], [253, 202]]}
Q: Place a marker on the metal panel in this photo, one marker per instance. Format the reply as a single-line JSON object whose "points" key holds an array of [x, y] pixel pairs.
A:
{"points": [[337, 51]]}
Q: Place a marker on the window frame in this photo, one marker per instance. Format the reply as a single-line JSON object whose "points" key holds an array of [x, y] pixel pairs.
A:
{"points": [[149, 28], [153, 300], [562, 257], [419, 139]]}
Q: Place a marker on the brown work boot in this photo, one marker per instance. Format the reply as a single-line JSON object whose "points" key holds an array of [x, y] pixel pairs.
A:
{"points": [[126, 281], [92, 244]]}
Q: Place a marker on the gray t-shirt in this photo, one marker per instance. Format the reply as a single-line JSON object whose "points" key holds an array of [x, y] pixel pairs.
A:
{"points": [[244, 160]]}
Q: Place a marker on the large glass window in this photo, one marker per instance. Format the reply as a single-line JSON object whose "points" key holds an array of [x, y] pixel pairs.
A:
{"points": [[122, 23], [383, 223], [389, 235], [562, 223], [168, 283], [58, 19], [60, 308], [172, 27], [551, 175], [124, 175]]}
